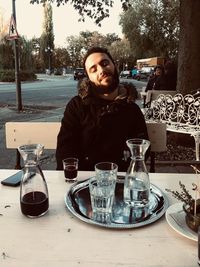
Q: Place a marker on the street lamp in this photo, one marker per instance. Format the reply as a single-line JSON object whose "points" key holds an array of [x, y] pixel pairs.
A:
{"points": [[49, 51]]}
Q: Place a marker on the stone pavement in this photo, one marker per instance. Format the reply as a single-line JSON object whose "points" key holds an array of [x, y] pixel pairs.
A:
{"points": [[8, 156]]}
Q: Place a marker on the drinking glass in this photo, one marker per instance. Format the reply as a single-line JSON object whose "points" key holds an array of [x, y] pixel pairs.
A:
{"points": [[70, 167], [102, 191], [102, 198], [106, 171]]}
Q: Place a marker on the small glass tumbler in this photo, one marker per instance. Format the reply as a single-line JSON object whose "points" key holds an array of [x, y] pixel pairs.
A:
{"points": [[70, 167], [106, 171], [102, 198]]}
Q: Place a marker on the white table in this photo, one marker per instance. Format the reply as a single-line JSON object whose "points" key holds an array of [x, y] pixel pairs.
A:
{"points": [[59, 239]]}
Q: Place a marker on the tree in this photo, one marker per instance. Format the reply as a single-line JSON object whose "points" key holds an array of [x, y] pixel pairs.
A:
{"points": [[75, 49], [189, 46], [47, 38], [97, 10], [6, 47], [25, 49], [77, 45], [152, 28], [122, 54], [61, 58]]}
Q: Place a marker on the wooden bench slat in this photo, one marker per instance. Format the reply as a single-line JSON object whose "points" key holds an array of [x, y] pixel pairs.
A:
{"points": [[20, 133]]}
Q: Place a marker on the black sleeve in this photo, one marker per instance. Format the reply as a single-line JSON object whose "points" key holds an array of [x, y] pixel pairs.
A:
{"points": [[68, 137]]}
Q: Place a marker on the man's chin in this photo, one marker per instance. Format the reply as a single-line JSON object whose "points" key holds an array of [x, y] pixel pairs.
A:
{"points": [[107, 86], [104, 89], [106, 83]]}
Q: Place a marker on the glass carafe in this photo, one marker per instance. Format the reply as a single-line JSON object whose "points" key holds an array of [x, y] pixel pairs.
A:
{"points": [[137, 184], [34, 198]]}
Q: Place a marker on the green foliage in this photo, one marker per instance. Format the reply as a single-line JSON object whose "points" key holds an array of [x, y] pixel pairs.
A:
{"points": [[77, 45], [97, 10], [61, 58], [152, 27], [183, 196], [9, 75], [122, 54], [7, 61], [47, 37], [27, 76], [25, 49]]}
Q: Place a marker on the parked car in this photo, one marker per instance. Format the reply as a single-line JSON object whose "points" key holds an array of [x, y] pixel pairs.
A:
{"points": [[143, 73], [79, 73], [58, 71], [125, 74]]}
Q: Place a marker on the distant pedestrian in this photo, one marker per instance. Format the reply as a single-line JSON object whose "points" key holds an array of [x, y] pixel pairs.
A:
{"points": [[158, 71], [169, 79]]}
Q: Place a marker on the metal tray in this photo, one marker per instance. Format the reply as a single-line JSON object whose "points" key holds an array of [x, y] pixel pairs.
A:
{"points": [[78, 203]]}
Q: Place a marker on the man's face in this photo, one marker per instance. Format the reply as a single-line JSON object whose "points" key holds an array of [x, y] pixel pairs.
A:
{"points": [[102, 73], [158, 71]]}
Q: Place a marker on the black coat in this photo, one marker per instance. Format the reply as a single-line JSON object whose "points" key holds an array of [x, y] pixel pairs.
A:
{"points": [[95, 130]]}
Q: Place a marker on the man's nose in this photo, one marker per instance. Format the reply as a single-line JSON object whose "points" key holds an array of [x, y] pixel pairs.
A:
{"points": [[101, 69]]}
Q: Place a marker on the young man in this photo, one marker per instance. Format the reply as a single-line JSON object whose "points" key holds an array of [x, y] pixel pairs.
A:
{"points": [[98, 121]]}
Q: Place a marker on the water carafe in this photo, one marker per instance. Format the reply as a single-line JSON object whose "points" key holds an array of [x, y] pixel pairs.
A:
{"points": [[137, 184], [34, 198]]}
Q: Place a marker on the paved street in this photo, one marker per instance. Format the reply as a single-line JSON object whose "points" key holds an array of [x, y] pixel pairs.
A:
{"points": [[45, 100]]}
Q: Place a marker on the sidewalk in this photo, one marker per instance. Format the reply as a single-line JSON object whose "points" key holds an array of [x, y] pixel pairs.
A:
{"points": [[8, 156]]}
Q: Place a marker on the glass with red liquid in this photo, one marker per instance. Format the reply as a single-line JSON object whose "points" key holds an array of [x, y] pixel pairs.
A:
{"points": [[70, 167]]}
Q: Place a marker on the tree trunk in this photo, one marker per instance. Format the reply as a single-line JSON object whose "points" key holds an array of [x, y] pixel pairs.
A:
{"points": [[189, 47]]}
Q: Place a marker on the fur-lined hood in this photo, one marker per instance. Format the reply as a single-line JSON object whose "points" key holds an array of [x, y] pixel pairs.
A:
{"points": [[126, 91]]}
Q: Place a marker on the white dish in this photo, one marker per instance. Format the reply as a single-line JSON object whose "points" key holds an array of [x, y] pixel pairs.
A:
{"points": [[175, 217]]}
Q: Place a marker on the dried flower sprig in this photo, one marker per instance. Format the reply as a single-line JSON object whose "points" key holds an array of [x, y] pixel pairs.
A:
{"points": [[183, 196]]}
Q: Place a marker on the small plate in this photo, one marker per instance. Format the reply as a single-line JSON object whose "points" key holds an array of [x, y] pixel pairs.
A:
{"points": [[78, 203], [175, 217]]}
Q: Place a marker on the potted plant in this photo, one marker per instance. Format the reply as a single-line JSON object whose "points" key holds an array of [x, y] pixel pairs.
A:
{"points": [[191, 205]]}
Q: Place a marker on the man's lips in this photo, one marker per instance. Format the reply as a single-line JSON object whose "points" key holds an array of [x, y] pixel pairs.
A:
{"points": [[105, 76]]}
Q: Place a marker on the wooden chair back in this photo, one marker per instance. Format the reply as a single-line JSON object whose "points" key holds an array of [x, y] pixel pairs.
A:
{"points": [[20, 133], [45, 133]]}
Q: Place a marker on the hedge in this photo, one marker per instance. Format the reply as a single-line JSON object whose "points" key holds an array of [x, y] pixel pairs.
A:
{"points": [[9, 76]]}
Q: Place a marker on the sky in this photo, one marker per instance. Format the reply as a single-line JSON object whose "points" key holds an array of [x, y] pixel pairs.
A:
{"points": [[65, 20]]}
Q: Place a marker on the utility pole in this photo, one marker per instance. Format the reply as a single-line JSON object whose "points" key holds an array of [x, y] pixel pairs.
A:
{"points": [[17, 74]]}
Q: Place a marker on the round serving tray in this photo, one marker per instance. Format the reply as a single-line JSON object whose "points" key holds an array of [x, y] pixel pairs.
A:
{"points": [[78, 203]]}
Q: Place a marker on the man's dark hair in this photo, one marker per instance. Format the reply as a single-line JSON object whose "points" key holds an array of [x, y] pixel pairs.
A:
{"points": [[97, 49]]}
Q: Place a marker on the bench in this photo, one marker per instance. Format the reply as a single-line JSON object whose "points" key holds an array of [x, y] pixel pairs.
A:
{"points": [[180, 113], [151, 95], [20, 133]]}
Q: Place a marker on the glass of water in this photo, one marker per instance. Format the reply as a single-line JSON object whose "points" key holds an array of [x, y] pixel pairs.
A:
{"points": [[102, 198], [106, 171], [102, 191]]}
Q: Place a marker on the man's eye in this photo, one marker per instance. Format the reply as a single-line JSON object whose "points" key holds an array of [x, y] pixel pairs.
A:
{"points": [[105, 63], [92, 70]]}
